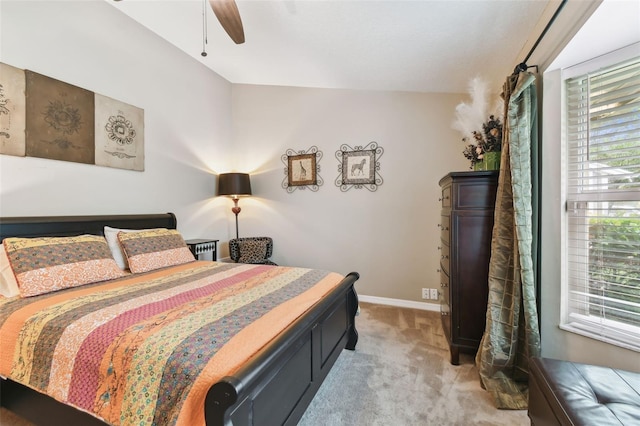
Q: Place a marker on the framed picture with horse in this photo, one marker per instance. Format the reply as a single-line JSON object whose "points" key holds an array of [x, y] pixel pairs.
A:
{"points": [[359, 167]]}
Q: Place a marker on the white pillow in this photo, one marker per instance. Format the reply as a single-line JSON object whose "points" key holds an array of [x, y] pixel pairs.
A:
{"points": [[8, 284], [111, 234]]}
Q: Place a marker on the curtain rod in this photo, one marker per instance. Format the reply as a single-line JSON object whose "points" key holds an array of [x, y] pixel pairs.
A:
{"points": [[523, 65]]}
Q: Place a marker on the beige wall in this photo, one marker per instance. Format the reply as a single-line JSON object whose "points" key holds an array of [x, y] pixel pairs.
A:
{"points": [[389, 236], [187, 117]]}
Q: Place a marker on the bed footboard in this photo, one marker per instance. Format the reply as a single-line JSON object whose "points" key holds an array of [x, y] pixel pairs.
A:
{"points": [[277, 386]]}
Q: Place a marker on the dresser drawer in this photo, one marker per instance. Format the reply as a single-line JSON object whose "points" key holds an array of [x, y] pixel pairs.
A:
{"points": [[445, 198], [445, 314], [445, 229], [446, 311], [444, 259], [444, 287], [474, 195], [445, 306]]}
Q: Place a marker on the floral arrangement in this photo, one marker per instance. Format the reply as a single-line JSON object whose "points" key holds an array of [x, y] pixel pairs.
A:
{"points": [[480, 134], [490, 140]]}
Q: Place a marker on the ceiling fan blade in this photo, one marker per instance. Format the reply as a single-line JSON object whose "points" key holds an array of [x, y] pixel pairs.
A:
{"points": [[227, 13]]}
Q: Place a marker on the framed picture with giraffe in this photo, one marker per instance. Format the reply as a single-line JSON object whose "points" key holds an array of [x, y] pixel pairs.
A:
{"points": [[359, 167], [302, 169]]}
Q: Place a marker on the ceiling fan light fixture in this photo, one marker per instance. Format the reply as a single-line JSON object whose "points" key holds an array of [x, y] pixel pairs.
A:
{"points": [[227, 13], [229, 16]]}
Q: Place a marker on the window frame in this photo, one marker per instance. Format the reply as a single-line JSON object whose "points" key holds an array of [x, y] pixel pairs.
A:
{"points": [[623, 335]]}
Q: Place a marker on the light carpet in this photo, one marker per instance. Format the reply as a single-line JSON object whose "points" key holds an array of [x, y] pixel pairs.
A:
{"points": [[400, 374]]}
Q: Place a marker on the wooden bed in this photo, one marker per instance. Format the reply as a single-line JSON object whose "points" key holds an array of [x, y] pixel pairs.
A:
{"points": [[274, 387]]}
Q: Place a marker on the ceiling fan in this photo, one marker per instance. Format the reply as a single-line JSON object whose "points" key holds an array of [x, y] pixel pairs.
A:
{"points": [[227, 13]]}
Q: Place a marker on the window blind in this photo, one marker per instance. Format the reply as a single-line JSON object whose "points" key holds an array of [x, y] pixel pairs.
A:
{"points": [[602, 294]]}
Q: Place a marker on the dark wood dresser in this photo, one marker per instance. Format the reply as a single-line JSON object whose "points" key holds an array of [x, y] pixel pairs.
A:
{"points": [[468, 201]]}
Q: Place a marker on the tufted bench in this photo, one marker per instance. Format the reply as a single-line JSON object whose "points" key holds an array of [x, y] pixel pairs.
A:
{"points": [[568, 393]]}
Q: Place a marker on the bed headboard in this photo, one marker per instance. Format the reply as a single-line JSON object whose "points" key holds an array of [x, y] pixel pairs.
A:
{"points": [[65, 226]]}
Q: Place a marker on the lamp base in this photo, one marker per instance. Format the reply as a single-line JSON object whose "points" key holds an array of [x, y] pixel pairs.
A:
{"points": [[236, 210]]}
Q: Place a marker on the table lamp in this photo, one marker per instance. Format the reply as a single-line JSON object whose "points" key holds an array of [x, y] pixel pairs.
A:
{"points": [[234, 185]]}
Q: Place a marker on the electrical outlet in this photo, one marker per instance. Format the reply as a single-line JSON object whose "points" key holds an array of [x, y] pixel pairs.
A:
{"points": [[434, 293], [425, 293]]}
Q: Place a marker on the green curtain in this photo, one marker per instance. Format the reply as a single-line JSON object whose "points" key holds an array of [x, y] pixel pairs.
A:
{"points": [[512, 335]]}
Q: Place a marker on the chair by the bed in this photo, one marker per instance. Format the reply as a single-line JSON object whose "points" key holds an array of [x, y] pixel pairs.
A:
{"points": [[256, 250]]}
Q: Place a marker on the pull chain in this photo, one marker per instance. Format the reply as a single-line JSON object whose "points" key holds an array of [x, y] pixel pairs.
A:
{"points": [[204, 28]]}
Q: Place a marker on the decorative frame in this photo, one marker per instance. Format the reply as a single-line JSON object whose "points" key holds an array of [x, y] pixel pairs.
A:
{"points": [[302, 169], [359, 167]]}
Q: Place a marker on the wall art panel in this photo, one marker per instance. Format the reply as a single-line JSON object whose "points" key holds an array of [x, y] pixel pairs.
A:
{"points": [[59, 120], [47, 118], [12, 110], [119, 134]]}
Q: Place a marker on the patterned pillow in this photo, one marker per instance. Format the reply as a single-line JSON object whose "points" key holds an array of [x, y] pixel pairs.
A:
{"points": [[46, 264], [252, 251], [8, 284], [154, 249], [111, 235]]}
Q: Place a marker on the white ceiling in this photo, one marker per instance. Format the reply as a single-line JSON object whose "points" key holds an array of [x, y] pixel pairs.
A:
{"points": [[417, 46]]}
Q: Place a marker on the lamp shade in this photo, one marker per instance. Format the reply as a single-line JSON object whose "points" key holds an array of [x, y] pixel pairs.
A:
{"points": [[234, 184]]}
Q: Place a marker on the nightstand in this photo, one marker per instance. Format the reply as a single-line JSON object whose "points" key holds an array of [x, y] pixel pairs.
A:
{"points": [[201, 246]]}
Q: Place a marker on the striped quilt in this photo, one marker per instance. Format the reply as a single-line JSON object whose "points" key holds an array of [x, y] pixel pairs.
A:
{"points": [[145, 349]]}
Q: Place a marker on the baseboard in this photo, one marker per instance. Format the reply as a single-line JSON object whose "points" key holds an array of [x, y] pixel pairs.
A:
{"points": [[424, 306]]}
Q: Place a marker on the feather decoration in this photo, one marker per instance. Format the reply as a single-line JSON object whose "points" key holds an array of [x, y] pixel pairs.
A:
{"points": [[470, 117]]}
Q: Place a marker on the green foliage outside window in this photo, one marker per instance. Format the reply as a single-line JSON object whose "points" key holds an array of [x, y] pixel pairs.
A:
{"points": [[614, 275]]}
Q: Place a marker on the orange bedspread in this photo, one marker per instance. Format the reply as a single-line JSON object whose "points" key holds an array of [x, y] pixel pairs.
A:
{"points": [[145, 349]]}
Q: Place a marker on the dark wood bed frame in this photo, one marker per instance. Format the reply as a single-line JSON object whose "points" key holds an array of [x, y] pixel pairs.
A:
{"points": [[275, 387]]}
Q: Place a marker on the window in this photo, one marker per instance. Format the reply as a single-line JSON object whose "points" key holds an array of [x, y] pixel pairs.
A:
{"points": [[601, 293]]}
